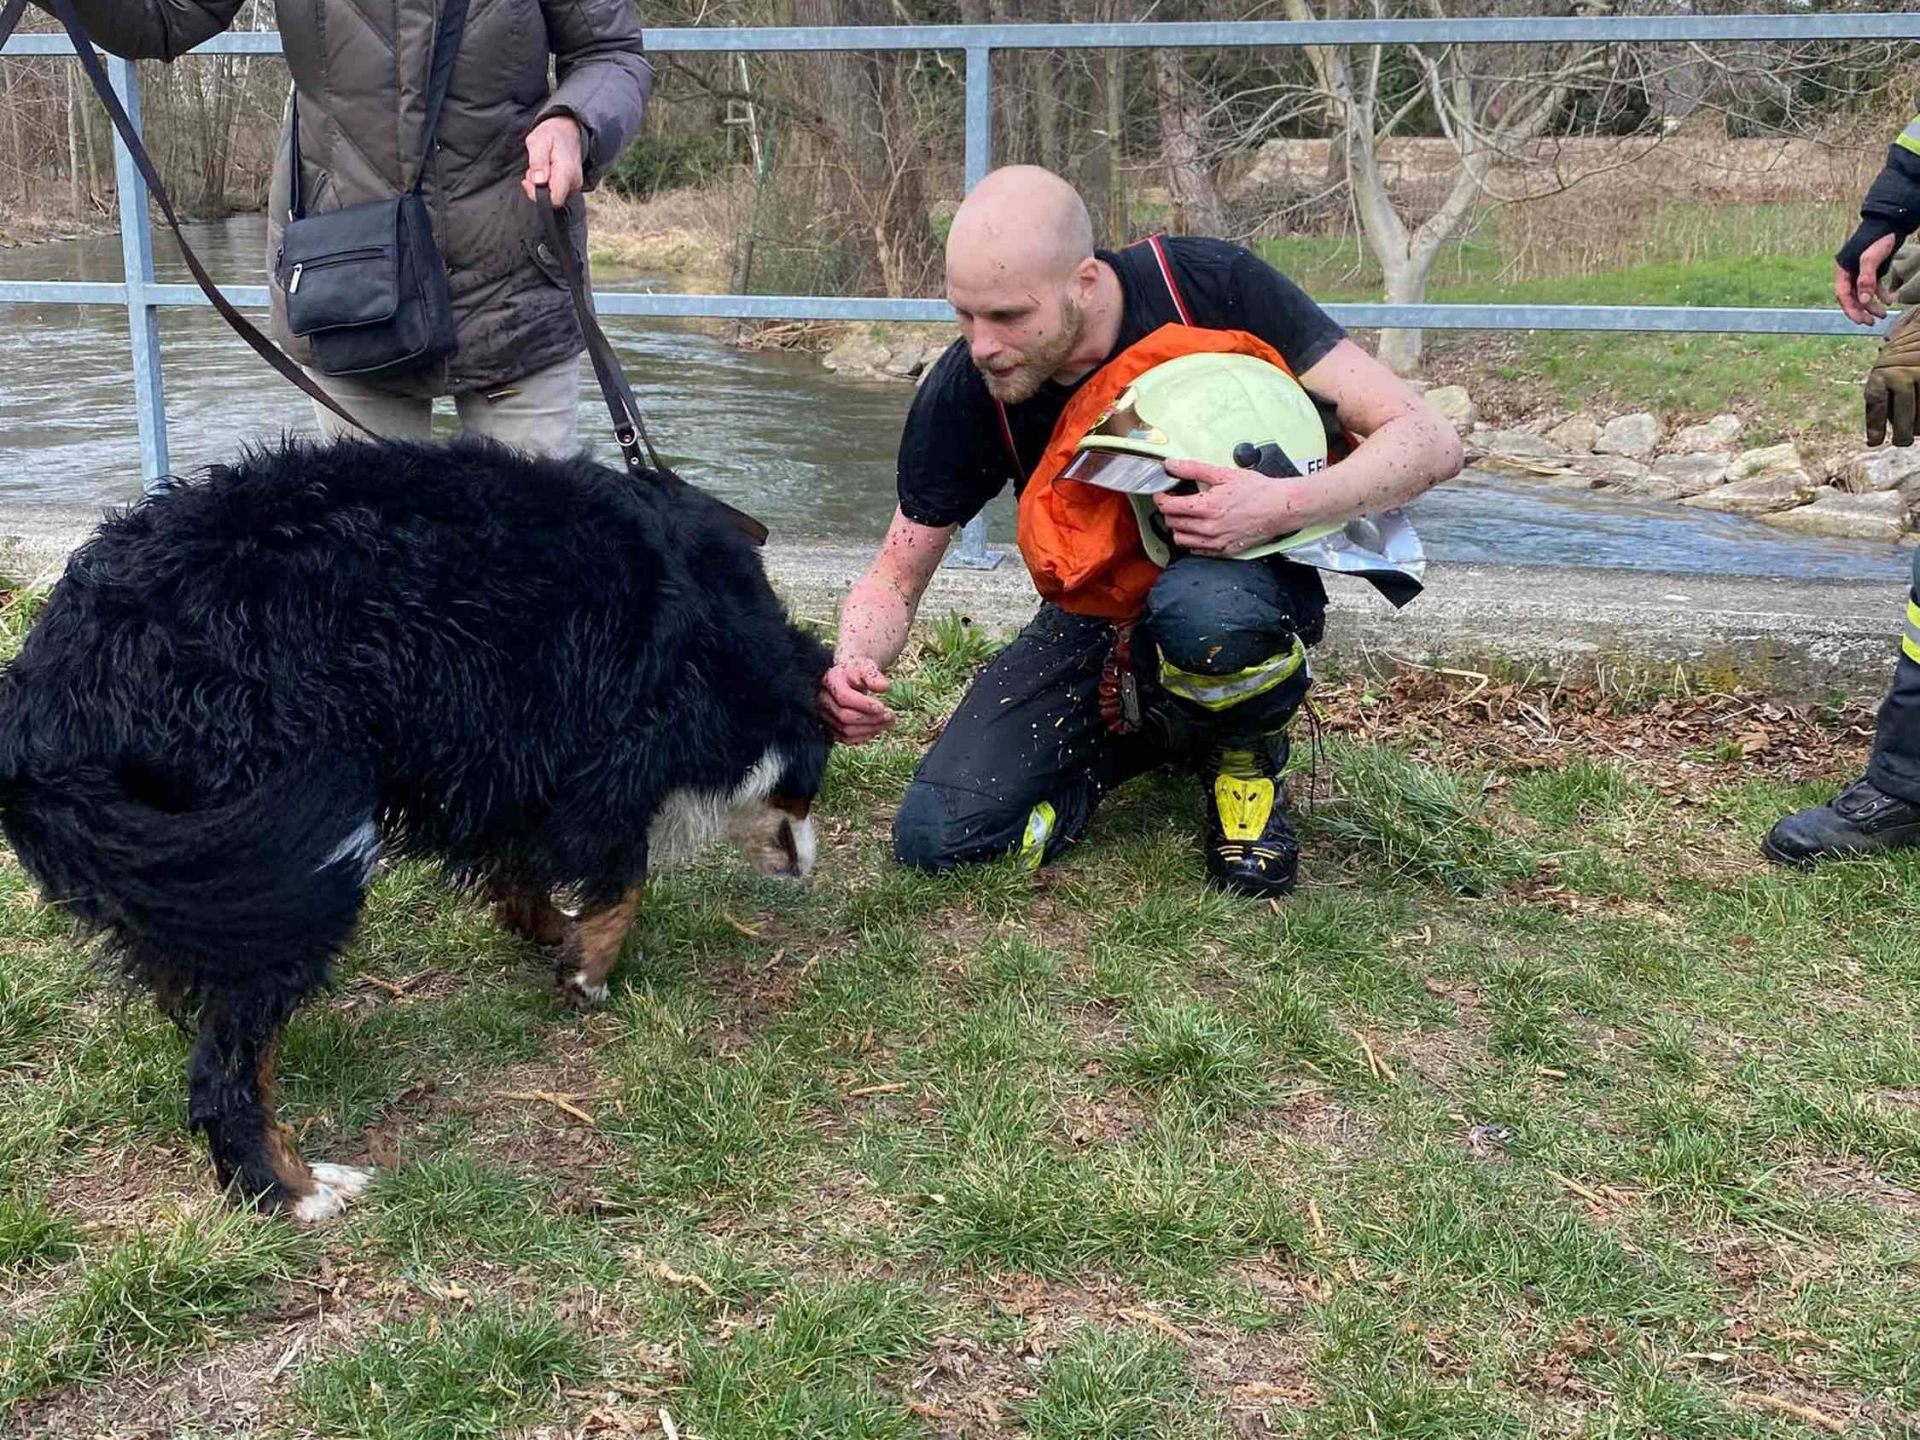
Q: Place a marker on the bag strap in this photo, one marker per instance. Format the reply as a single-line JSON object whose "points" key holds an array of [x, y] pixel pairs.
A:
{"points": [[628, 426], [89, 62], [446, 49], [1006, 435]]}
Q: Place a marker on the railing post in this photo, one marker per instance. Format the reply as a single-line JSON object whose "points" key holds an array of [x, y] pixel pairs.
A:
{"points": [[136, 249], [973, 553]]}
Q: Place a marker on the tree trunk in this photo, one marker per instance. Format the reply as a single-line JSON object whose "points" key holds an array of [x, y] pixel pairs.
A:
{"points": [[1406, 284], [76, 176], [1046, 108], [1196, 202], [16, 152], [90, 146], [1096, 166], [892, 179]]}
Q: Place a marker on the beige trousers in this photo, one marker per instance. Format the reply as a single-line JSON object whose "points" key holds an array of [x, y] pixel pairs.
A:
{"points": [[538, 413]]}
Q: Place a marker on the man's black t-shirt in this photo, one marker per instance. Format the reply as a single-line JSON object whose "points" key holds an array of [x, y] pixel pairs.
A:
{"points": [[953, 458]]}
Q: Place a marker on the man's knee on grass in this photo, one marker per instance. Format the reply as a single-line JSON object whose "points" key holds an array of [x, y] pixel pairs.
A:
{"points": [[939, 828]]}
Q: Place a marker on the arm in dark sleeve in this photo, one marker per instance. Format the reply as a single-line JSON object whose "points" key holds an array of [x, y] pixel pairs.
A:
{"points": [[952, 459], [605, 77], [153, 29], [1231, 288], [1892, 203]]}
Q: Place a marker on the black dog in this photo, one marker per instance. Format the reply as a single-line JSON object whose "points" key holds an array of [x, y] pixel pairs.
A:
{"points": [[247, 687]]}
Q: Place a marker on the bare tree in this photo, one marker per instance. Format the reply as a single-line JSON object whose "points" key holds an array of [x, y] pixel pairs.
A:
{"points": [[1183, 146], [1489, 101], [10, 106]]}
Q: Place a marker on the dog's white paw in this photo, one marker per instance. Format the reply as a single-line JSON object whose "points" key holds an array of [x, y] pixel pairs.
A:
{"points": [[344, 1178], [590, 996], [333, 1187]]}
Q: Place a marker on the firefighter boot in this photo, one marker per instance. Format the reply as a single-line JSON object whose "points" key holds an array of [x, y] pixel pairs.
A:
{"points": [[1861, 820], [1250, 846]]}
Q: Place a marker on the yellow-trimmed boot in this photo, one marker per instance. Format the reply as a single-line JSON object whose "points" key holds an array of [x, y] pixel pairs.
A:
{"points": [[1250, 846]]}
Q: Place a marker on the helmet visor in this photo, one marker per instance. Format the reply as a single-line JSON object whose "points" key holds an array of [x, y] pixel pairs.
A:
{"points": [[1116, 470]]}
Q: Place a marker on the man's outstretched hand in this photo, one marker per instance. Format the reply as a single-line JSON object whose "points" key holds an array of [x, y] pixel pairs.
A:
{"points": [[848, 701]]}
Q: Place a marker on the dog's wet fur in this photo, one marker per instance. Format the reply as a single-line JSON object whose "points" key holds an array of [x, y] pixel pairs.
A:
{"points": [[249, 687]]}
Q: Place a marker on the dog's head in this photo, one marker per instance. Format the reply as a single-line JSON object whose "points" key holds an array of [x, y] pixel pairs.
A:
{"points": [[774, 827]]}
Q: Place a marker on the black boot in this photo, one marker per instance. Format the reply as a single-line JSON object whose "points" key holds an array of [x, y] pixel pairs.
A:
{"points": [[1250, 846], [1859, 821]]}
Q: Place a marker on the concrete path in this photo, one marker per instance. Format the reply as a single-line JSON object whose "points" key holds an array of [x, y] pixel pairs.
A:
{"points": [[1800, 639]]}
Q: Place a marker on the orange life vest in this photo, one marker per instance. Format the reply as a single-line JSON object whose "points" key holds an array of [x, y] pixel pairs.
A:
{"points": [[1081, 542]]}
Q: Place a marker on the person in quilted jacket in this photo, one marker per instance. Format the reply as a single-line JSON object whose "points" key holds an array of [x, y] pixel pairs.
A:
{"points": [[359, 94]]}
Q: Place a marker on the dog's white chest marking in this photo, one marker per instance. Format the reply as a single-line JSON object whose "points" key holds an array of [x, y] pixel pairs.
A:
{"points": [[690, 821]]}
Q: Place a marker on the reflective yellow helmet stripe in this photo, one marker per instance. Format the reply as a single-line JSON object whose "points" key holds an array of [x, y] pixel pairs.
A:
{"points": [[1221, 692]]}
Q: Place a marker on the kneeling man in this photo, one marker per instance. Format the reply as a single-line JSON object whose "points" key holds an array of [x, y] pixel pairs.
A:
{"points": [[1173, 626]]}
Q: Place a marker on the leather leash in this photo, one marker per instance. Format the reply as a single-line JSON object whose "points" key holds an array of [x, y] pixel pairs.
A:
{"points": [[622, 406]]}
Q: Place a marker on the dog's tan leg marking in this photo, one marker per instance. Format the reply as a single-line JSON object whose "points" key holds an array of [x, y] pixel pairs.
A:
{"points": [[531, 915], [288, 1168], [592, 945], [317, 1192]]}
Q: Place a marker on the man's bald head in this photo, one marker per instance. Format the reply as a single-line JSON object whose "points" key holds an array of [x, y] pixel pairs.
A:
{"points": [[1021, 224], [1020, 271]]}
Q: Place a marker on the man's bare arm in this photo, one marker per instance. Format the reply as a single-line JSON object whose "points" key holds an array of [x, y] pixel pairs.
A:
{"points": [[874, 624]]}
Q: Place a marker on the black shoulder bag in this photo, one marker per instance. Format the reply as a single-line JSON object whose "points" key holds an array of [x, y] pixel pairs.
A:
{"points": [[365, 285]]}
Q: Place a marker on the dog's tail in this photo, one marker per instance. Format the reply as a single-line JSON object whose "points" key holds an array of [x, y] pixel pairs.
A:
{"points": [[261, 889]]}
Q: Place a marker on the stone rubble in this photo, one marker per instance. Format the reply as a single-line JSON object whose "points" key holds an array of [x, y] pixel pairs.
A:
{"points": [[1865, 495]]}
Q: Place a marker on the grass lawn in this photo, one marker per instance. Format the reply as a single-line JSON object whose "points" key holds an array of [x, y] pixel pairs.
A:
{"points": [[1543, 1109]]}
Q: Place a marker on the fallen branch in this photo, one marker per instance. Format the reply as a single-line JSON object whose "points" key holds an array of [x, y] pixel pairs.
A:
{"points": [[285, 1360], [673, 1277], [1376, 1066], [1819, 1419], [1577, 1188], [397, 988], [547, 1097], [751, 932], [893, 1088]]}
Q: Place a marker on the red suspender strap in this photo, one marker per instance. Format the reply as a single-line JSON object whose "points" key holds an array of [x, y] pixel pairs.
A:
{"points": [[1166, 274], [1006, 434]]}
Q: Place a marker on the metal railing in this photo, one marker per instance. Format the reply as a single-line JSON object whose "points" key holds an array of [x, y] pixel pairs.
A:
{"points": [[143, 296]]}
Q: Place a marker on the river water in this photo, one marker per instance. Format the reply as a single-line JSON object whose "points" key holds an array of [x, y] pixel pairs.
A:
{"points": [[810, 453]]}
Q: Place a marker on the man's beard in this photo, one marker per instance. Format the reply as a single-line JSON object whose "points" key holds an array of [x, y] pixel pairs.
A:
{"points": [[1036, 365]]}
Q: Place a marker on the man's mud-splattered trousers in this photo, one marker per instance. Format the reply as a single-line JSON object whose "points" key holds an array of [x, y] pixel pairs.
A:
{"points": [[1025, 760], [1895, 766]]}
